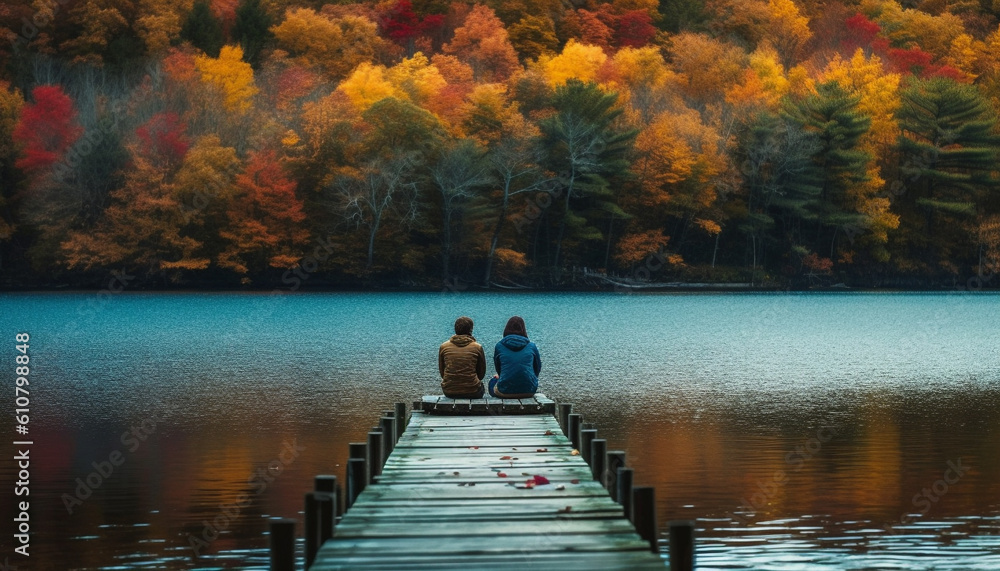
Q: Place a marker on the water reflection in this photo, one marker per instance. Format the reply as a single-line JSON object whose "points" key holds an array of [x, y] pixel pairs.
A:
{"points": [[800, 431]]}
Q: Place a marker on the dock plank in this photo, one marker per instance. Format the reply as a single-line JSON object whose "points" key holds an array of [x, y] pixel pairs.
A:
{"points": [[455, 494]]}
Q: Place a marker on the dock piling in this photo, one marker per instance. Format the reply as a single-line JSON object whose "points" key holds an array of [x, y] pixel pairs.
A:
{"points": [[311, 528], [282, 544], [388, 426], [374, 455], [356, 479], [564, 411], [587, 435], [401, 419], [598, 452], [644, 515], [682, 545], [625, 491], [574, 429], [614, 460]]}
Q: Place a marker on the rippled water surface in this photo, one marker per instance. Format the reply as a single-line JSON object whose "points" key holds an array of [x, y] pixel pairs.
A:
{"points": [[801, 431]]}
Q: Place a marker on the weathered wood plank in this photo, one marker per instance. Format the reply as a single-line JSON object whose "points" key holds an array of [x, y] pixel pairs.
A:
{"points": [[618, 561], [454, 494]]}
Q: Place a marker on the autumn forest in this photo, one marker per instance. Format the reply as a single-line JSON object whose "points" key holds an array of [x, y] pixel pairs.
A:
{"points": [[553, 143]]}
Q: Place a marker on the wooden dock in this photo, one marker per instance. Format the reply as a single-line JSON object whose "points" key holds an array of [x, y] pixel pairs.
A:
{"points": [[483, 484]]}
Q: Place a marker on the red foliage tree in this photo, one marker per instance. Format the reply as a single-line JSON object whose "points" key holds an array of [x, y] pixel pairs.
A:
{"points": [[264, 219], [635, 29], [46, 128], [402, 25], [911, 60], [860, 32], [163, 138]]}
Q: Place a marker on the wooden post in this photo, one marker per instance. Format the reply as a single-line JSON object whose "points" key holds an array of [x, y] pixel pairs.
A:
{"points": [[326, 507], [388, 425], [330, 485], [325, 483], [357, 479], [574, 429], [374, 455], [614, 459], [587, 436], [644, 515], [311, 528], [625, 491], [400, 419], [282, 544], [682, 545], [564, 410], [598, 450]]}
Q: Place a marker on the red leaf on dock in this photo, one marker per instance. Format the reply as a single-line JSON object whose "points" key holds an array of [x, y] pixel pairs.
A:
{"points": [[549, 433], [540, 480], [574, 481], [501, 474], [529, 483], [565, 510], [505, 457], [542, 450]]}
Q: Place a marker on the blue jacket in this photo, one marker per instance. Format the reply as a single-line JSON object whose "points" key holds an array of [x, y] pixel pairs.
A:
{"points": [[517, 362]]}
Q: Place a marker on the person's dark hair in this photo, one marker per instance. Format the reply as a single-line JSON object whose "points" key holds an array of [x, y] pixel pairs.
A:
{"points": [[515, 326], [463, 326]]}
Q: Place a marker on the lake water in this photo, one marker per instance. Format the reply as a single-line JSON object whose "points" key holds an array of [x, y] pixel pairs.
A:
{"points": [[801, 431]]}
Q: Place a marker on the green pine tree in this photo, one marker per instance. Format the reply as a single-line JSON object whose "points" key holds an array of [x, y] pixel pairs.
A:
{"points": [[587, 147], [781, 183], [203, 29], [832, 115], [252, 29], [949, 152]]}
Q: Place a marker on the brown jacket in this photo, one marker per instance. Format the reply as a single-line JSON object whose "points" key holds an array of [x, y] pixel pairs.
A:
{"points": [[462, 364]]}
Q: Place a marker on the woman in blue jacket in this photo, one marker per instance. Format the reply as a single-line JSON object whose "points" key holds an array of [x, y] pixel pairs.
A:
{"points": [[517, 363]]}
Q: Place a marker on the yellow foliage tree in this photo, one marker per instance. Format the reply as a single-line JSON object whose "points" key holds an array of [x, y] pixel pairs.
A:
{"points": [[787, 29], [577, 61], [366, 85], [337, 45], [159, 22], [967, 54], [709, 65], [417, 78], [764, 81], [230, 74]]}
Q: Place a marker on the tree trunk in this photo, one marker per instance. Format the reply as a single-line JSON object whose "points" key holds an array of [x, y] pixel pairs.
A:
{"points": [[562, 224], [496, 234], [446, 246]]}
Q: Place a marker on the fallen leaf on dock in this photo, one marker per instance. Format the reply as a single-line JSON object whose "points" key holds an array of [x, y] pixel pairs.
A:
{"points": [[473, 448], [574, 452], [455, 473], [540, 480], [542, 450], [501, 474], [529, 483], [565, 510], [574, 481], [505, 457], [549, 433]]}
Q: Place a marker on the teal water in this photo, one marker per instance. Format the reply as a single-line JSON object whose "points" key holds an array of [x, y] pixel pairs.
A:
{"points": [[858, 401]]}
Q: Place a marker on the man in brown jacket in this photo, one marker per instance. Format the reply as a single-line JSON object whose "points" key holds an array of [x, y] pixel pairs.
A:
{"points": [[462, 363]]}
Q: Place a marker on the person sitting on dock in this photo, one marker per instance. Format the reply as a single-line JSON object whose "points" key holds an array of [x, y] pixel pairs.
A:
{"points": [[517, 363], [462, 363]]}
